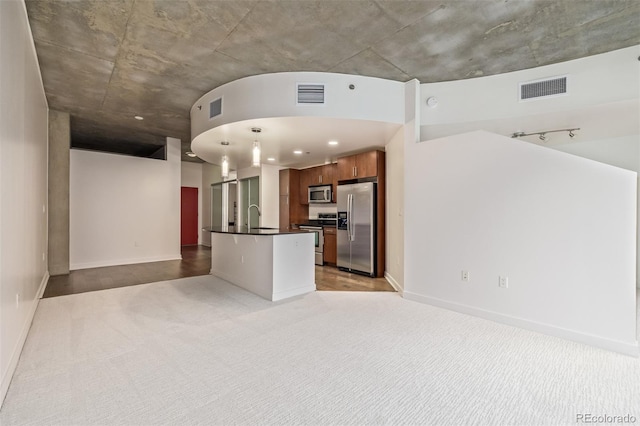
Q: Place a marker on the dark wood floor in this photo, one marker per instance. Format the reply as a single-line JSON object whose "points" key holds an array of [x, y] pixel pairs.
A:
{"points": [[333, 279], [196, 260]]}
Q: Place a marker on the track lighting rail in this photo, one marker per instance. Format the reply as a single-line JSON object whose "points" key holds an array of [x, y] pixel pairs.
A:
{"points": [[543, 135]]}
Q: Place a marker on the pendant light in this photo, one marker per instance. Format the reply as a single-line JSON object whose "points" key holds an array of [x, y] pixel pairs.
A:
{"points": [[255, 158], [225, 162], [225, 167]]}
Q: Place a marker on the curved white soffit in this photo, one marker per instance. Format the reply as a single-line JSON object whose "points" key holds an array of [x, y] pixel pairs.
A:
{"points": [[275, 95]]}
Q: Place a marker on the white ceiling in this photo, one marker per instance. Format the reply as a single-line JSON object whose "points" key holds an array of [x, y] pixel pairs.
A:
{"points": [[281, 136]]}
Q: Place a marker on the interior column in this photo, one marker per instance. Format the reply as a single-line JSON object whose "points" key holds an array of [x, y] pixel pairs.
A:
{"points": [[58, 192]]}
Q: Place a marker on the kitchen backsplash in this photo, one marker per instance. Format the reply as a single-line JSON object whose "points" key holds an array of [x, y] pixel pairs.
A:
{"points": [[314, 209]]}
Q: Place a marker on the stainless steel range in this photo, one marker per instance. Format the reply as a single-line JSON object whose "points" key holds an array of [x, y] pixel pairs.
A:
{"points": [[315, 225], [319, 242]]}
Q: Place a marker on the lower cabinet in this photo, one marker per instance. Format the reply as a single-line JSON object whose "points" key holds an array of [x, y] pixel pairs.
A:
{"points": [[330, 246]]}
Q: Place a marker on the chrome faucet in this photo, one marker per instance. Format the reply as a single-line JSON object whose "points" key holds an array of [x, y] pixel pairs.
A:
{"points": [[249, 214]]}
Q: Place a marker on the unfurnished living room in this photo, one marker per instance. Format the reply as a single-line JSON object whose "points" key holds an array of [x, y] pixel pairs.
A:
{"points": [[319, 212]]}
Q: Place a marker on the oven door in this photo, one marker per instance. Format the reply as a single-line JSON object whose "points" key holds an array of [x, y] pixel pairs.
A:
{"points": [[319, 234]]}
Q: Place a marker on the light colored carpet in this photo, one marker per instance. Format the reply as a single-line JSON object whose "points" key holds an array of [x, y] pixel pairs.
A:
{"points": [[201, 351]]}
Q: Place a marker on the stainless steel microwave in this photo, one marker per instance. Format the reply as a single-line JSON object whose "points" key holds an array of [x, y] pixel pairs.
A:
{"points": [[320, 194]]}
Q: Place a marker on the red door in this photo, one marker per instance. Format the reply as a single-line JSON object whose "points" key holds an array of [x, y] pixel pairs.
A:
{"points": [[188, 216]]}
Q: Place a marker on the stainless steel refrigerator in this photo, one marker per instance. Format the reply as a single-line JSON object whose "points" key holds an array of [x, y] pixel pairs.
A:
{"points": [[357, 227]]}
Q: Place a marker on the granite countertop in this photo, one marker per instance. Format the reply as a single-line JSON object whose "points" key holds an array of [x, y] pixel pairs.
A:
{"points": [[315, 223], [243, 230]]}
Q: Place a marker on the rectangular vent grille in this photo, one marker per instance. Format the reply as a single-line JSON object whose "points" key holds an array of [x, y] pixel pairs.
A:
{"points": [[311, 93], [543, 88], [215, 108]]}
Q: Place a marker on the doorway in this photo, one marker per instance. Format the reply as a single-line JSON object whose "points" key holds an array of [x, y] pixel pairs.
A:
{"points": [[250, 193], [188, 216], [224, 209]]}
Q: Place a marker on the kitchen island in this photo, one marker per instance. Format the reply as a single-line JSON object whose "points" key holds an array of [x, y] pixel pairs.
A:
{"points": [[272, 263]]}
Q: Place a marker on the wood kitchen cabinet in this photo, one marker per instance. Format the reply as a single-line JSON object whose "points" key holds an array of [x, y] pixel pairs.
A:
{"points": [[306, 179], [364, 165], [346, 167], [291, 208], [326, 175], [330, 246], [334, 182]]}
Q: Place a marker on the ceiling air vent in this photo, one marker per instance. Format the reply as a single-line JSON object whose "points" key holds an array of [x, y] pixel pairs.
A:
{"points": [[215, 108], [310, 94], [543, 88]]}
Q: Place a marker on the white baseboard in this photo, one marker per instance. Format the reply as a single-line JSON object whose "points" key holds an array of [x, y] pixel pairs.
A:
{"points": [[631, 349], [22, 338], [43, 285], [130, 261], [394, 283]]}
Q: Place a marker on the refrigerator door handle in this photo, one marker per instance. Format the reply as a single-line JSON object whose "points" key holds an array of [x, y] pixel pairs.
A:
{"points": [[353, 228], [349, 217], [351, 225]]}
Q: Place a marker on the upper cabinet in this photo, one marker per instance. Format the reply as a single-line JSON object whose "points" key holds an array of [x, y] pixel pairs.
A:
{"points": [[364, 165], [326, 178], [320, 175]]}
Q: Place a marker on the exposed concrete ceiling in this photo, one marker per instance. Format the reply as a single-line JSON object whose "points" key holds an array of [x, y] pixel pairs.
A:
{"points": [[106, 61]]}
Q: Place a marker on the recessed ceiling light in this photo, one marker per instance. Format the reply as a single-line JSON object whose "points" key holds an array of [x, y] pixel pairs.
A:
{"points": [[297, 152], [333, 142], [138, 117], [271, 159], [190, 154]]}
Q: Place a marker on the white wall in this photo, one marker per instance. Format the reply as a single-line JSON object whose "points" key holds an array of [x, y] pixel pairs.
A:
{"points": [[23, 185], [191, 176], [620, 152], [248, 172], [562, 228], [394, 268], [124, 209], [270, 196], [395, 186], [211, 173], [603, 101]]}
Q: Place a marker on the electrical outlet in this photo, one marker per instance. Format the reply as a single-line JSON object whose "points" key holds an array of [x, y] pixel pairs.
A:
{"points": [[465, 275], [503, 282]]}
